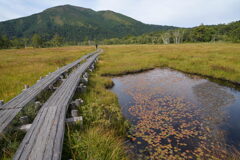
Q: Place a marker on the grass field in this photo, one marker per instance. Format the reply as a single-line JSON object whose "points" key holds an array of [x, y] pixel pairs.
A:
{"points": [[219, 60], [103, 120], [25, 66], [101, 109]]}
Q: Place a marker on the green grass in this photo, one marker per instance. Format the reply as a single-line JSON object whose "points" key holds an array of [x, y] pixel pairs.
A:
{"points": [[102, 122], [102, 116], [97, 143]]}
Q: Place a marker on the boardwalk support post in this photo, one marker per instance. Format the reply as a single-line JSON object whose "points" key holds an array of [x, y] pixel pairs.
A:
{"points": [[38, 105], [82, 88], [24, 119], [76, 103], [25, 127], [85, 75], [90, 69], [39, 79], [65, 74], [62, 78], [1, 102], [26, 86], [74, 113], [84, 80], [51, 87], [75, 117]]}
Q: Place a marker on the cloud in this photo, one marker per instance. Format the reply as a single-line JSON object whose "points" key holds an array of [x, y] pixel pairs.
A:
{"points": [[10, 9], [185, 13]]}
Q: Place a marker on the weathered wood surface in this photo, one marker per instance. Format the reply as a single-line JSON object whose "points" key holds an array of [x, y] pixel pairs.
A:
{"points": [[9, 110], [45, 138]]}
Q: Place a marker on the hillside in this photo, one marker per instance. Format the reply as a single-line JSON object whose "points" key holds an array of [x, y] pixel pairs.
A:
{"points": [[76, 24], [204, 33]]}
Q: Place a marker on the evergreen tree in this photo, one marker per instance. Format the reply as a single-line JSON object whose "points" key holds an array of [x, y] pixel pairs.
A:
{"points": [[4, 42]]}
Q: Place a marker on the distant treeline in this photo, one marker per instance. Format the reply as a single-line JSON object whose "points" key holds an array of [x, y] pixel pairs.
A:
{"points": [[36, 41], [203, 33], [39, 41]]}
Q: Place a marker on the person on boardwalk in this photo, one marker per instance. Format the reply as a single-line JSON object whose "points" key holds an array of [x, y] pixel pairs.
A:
{"points": [[96, 46]]}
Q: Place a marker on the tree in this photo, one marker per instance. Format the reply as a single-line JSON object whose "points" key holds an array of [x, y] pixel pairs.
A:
{"points": [[178, 36], [37, 41], [235, 35], [1, 42], [6, 42], [154, 39], [17, 43], [25, 41], [166, 37], [57, 41], [202, 33], [234, 31]]}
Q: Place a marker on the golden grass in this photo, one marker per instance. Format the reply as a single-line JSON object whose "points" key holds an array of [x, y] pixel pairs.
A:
{"points": [[219, 60], [25, 66]]}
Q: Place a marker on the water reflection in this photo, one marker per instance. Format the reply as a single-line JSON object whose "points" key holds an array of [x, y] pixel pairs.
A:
{"points": [[177, 116]]}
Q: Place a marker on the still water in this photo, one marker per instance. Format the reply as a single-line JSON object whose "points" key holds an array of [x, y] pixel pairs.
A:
{"points": [[179, 116]]}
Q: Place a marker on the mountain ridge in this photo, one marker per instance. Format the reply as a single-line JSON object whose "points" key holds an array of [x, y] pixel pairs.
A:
{"points": [[76, 24]]}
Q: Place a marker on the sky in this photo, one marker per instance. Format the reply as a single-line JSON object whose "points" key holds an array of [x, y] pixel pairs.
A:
{"points": [[181, 13]]}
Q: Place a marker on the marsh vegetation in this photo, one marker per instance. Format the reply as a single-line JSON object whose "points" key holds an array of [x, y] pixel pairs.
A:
{"points": [[102, 117]]}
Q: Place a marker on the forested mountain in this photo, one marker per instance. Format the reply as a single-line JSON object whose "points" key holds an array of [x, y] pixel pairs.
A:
{"points": [[76, 24], [203, 33], [71, 25]]}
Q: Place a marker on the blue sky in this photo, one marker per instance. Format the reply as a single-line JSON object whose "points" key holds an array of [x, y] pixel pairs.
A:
{"points": [[182, 13]]}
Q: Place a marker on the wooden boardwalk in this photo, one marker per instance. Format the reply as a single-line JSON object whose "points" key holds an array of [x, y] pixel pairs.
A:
{"points": [[44, 139], [9, 110]]}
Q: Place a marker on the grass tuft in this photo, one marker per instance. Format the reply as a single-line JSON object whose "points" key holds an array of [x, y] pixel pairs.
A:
{"points": [[96, 143]]}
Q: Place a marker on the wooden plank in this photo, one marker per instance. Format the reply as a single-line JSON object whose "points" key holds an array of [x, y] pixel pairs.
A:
{"points": [[44, 140], [9, 110]]}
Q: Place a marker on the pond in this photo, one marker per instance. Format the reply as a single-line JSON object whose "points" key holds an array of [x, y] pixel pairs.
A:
{"points": [[179, 116]]}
